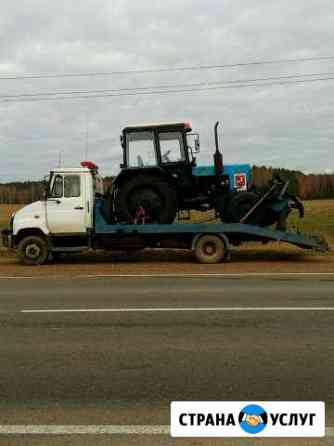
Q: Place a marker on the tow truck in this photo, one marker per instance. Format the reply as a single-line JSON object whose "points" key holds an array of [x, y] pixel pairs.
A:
{"points": [[72, 218]]}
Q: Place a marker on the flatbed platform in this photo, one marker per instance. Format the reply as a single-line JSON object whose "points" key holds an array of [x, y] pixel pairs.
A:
{"points": [[245, 232], [188, 235]]}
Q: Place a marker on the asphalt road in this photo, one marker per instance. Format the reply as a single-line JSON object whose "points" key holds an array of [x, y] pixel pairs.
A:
{"points": [[213, 339]]}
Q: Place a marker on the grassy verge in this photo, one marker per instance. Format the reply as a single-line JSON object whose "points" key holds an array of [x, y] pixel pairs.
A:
{"points": [[319, 219], [6, 211]]}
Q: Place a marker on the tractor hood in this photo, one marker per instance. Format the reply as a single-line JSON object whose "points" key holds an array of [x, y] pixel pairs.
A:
{"points": [[230, 170]]}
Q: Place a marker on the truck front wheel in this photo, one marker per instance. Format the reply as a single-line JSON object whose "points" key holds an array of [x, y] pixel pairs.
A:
{"points": [[33, 250]]}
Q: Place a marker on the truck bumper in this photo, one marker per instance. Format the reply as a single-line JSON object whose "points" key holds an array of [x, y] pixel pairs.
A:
{"points": [[7, 238]]}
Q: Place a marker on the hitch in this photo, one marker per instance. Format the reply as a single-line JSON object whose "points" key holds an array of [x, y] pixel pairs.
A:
{"points": [[278, 199], [140, 216]]}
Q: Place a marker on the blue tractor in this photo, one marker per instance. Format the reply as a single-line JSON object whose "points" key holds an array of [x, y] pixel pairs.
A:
{"points": [[159, 178]]}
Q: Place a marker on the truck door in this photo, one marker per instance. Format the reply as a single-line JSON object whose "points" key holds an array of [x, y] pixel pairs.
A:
{"points": [[66, 205]]}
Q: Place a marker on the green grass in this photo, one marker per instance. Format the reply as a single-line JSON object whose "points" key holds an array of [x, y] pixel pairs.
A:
{"points": [[319, 218]]}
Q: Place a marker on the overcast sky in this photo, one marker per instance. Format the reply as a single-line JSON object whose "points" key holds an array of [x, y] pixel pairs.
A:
{"points": [[283, 125]]}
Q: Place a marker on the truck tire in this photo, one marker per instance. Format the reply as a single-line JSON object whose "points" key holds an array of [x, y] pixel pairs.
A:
{"points": [[210, 248], [33, 250], [153, 194], [240, 204]]}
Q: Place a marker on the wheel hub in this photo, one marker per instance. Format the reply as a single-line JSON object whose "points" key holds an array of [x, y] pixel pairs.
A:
{"points": [[147, 199], [33, 251], [209, 249]]}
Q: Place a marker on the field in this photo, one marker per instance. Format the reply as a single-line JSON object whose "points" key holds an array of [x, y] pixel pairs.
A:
{"points": [[6, 211]]}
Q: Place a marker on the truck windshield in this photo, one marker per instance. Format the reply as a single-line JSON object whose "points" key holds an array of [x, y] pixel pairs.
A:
{"points": [[140, 149]]}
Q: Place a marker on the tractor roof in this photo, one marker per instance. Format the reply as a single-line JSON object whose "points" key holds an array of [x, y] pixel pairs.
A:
{"points": [[187, 126]]}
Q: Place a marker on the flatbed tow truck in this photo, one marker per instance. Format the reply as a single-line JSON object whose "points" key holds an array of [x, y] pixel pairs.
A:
{"points": [[72, 219]]}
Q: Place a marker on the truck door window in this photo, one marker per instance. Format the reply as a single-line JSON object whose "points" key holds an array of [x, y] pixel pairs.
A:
{"points": [[141, 149], [57, 188], [171, 147], [71, 186]]}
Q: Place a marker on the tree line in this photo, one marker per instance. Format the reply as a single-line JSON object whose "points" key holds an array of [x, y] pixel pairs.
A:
{"points": [[307, 187], [21, 192]]}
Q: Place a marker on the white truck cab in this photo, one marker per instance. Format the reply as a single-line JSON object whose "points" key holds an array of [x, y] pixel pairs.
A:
{"points": [[67, 211], [69, 201]]}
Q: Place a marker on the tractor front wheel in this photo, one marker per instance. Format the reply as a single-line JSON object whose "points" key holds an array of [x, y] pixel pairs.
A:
{"points": [[242, 203]]}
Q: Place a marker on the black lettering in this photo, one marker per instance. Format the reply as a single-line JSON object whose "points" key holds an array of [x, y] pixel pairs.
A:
{"points": [[312, 416], [200, 418], [274, 418], [303, 418], [183, 415], [281, 417], [230, 420], [220, 419]]}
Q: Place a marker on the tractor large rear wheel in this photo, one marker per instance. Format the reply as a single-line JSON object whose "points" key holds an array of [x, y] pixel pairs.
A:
{"points": [[153, 194]]}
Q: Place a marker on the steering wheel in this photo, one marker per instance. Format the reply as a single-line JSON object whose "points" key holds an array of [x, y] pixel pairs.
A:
{"points": [[165, 157]]}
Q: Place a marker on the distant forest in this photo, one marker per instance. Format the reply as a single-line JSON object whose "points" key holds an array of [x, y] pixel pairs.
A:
{"points": [[307, 187]]}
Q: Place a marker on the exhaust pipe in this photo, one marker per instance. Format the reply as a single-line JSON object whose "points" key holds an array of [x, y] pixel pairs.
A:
{"points": [[218, 157]]}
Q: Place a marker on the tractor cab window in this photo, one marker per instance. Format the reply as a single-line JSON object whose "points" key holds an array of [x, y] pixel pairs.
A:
{"points": [[171, 147], [141, 149]]}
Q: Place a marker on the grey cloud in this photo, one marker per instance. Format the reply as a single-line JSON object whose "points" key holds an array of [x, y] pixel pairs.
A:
{"points": [[288, 126]]}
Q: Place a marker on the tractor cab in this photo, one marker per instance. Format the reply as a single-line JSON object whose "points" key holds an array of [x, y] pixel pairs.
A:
{"points": [[152, 145]]}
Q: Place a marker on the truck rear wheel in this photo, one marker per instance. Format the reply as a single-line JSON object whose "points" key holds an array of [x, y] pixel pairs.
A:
{"points": [[210, 248], [153, 194], [33, 250]]}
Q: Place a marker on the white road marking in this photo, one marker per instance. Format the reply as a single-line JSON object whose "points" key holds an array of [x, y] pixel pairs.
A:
{"points": [[89, 429], [97, 276], [162, 275], [174, 309], [95, 430]]}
